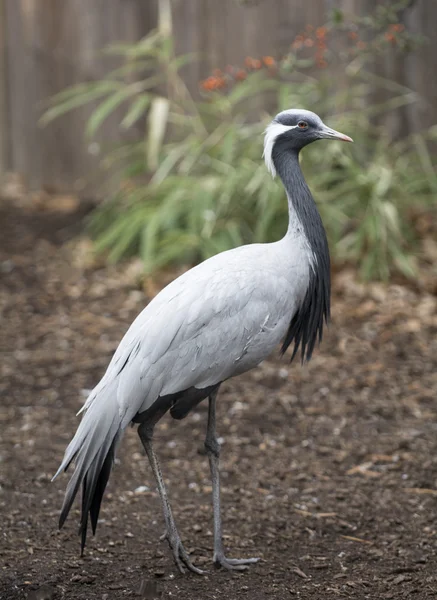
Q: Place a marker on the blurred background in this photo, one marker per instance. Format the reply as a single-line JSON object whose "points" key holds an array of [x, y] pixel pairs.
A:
{"points": [[154, 112], [131, 138]]}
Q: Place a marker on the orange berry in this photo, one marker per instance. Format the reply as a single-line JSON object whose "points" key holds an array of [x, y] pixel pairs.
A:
{"points": [[309, 43], [240, 75], [269, 61], [320, 32], [213, 83]]}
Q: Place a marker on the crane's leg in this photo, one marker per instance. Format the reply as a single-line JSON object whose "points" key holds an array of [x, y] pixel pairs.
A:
{"points": [[213, 451], [180, 555]]}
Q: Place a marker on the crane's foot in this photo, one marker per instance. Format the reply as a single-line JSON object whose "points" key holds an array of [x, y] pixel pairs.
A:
{"points": [[233, 564], [180, 555]]}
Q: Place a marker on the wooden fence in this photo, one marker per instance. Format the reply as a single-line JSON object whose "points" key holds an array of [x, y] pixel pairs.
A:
{"points": [[46, 45]]}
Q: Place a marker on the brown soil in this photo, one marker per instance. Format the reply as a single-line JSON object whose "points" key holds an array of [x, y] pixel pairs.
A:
{"points": [[329, 471]]}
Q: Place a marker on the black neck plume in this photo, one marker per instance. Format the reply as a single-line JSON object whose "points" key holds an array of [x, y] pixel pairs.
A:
{"points": [[306, 326]]}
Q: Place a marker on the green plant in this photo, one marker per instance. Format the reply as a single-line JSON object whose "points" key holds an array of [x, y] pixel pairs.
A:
{"points": [[195, 185]]}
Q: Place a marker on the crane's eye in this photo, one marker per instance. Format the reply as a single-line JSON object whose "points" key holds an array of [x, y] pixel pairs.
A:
{"points": [[302, 125]]}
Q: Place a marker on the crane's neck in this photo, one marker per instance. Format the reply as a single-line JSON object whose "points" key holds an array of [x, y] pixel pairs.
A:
{"points": [[304, 220], [303, 215]]}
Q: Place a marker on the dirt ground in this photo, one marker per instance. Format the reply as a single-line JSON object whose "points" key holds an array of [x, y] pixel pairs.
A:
{"points": [[329, 471]]}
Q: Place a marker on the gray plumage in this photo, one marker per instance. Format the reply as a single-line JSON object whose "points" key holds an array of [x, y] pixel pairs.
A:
{"points": [[216, 321]]}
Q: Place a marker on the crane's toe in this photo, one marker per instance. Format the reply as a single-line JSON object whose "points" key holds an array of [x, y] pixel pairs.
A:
{"points": [[234, 564], [180, 555]]}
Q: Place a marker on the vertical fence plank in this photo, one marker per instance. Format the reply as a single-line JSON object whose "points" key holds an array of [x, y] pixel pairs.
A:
{"points": [[226, 32], [4, 116], [47, 46], [421, 65], [53, 45]]}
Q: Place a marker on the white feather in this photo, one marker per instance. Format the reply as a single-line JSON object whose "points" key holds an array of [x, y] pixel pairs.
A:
{"points": [[271, 133]]}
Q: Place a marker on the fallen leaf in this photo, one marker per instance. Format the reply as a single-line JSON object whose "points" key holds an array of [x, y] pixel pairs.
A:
{"points": [[351, 538], [421, 491], [299, 572], [363, 470]]}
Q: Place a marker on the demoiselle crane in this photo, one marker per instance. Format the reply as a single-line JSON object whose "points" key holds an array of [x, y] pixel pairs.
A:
{"points": [[217, 320]]}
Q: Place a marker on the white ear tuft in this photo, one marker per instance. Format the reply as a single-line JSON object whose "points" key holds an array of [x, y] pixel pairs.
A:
{"points": [[272, 132]]}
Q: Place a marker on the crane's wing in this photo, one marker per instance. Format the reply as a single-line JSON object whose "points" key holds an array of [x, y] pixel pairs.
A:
{"points": [[217, 320]]}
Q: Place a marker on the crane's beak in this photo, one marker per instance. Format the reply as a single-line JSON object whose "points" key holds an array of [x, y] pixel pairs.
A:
{"points": [[331, 134]]}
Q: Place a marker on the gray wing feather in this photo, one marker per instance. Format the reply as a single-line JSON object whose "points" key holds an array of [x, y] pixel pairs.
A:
{"points": [[204, 327]]}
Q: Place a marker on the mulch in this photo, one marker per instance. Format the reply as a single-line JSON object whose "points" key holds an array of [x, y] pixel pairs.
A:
{"points": [[329, 471]]}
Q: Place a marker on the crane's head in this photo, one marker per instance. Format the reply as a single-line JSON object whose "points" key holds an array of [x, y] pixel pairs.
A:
{"points": [[292, 130]]}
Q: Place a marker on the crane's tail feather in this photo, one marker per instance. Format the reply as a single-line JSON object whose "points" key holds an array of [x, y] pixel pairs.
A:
{"points": [[97, 497], [93, 450], [93, 487]]}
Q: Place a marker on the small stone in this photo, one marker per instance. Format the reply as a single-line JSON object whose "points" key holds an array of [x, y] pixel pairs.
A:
{"points": [[159, 573]]}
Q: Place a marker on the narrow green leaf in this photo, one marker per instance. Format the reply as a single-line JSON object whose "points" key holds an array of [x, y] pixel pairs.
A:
{"points": [[68, 105], [136, 110], [102, 112]]}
